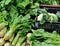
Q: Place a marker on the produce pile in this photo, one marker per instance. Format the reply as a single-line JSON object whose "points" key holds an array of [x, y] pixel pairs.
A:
{"points": [[17, 19], [40, 37], [14, 28]]}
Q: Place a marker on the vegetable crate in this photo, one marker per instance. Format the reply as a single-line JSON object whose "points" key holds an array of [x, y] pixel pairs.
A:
{"points": [[51, 8], [47, 25]]}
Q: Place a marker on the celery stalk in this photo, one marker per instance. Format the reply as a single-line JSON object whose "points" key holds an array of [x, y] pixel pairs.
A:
{"points": [[2, 41], [3, 15], [15, 25], [11, 39], [16, 38], [23, 44], [7, 44], [28, 36], [8, 35], [2, 32], [2, 25], [20, 41], [18, 22]]}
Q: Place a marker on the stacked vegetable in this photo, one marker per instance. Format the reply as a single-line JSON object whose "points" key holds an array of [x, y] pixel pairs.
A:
{"points": [[15, 29], [16, 20], [40, 37]]}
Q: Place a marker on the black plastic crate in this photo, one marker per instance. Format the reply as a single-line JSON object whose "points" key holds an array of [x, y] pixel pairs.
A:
{"points": [[48, 26]]}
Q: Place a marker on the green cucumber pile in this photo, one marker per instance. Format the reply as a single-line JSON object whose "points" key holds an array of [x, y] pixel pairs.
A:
{"points": [[17, 19]]}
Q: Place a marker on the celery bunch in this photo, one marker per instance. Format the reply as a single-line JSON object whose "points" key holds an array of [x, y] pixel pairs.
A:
{"points": [[42, 38]]}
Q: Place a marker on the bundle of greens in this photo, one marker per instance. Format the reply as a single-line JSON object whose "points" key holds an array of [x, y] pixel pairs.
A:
{"points": [[40, 37], [45, 16], [24, 7], [3, 23], [16, 20]]}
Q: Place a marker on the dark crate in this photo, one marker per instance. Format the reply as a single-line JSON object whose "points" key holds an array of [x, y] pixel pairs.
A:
{"points": [[51, 8], [47, 25]]}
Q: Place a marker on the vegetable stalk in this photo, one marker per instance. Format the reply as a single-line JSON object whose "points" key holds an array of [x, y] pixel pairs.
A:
{"points": [[16, 38], [11, 39], [2, 25], [21, 39], [15, 25], [2, 32], [2, 41], [7, 44]]}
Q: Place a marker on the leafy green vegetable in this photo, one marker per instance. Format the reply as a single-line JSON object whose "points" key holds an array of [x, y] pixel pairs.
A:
{"points": [[20, 40], [43, 38], [44, 16], [17, 19], [58, 14], [16, 38], [23, 3], [7, 2]]}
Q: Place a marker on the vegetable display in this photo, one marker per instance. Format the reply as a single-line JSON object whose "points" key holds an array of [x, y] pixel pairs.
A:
{"points": [[40, 37], [17, 19]]}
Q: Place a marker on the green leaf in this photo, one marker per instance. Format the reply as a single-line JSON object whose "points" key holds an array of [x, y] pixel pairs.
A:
{"points": [[58, 14], [23, 3], [7, 2]]}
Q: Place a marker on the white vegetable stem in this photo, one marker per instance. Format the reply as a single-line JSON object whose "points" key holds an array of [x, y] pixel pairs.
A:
{"points": [[2, 25], [3, 31], [2, 41], [16, 38], [28, 36], [40, 17], [8, 35], [7, 44], [20, 41], [13, 28], [11, 39]]}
